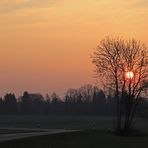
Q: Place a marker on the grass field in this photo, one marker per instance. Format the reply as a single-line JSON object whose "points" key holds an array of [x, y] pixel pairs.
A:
{"points": [[56, 122], [86, 139], [65, 122]]}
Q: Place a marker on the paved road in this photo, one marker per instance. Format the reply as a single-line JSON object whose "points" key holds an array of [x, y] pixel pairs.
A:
{"points": [[37, 132]]}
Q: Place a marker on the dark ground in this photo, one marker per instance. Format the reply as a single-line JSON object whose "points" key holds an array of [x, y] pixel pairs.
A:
{"points": [[85, 139], [88, 138]]}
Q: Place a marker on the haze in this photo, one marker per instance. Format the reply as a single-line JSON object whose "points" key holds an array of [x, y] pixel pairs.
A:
{"points": [[45, 45]]}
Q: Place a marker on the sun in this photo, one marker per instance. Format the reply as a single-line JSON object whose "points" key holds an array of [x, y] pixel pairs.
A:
{"points": [[130, 75]]}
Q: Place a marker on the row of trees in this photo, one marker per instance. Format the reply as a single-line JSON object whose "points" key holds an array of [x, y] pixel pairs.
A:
{"points": [[87, 100]]}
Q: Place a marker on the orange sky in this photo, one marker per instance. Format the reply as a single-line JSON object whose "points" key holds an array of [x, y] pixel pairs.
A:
{"points": [[45, 45]]}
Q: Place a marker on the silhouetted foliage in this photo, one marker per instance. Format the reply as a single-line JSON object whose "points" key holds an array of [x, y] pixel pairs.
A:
{"points": [[122, 67], [10, 104], [82, 101], [74, 103], [31, 103], [1, 106], [56, 104], [99, 103]]}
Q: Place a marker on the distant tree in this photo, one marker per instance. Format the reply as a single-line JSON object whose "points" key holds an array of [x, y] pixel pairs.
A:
{"points": [[10, 104], [87, 92], [37, 103], [111, 105], [73, 102], [47, 97], [122, 65], [70, 101], [26, 103], [71, 95], [31, 103], [1, 106], [86, 100], [56, 104], [47, 105], [99, 103]]}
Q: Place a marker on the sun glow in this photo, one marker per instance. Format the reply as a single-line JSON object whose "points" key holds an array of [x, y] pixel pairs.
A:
{"points": [[130, 75]]}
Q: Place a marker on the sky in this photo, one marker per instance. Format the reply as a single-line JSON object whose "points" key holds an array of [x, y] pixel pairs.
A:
{"points": [[46, 45]]}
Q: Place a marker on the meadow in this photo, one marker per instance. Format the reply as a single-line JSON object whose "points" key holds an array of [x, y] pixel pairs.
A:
{"points": [[57, 122], [94, 132]]}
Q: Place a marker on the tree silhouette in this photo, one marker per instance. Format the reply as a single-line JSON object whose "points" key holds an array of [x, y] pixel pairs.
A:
{"points": [[99, 103], [10, 104], [56, 104], [122, 65], [73, 102], [31, 103]]}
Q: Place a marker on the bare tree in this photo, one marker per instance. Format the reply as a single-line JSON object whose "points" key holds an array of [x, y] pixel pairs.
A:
{"points": [[72, 95], [87, 92], [122, 65]]}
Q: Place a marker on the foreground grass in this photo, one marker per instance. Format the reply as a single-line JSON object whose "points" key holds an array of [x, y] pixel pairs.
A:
{"points": [[85, 139]]}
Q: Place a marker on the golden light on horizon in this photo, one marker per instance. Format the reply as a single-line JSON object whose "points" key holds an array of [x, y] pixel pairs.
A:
{"points": [[45, 45], [129, 74]]}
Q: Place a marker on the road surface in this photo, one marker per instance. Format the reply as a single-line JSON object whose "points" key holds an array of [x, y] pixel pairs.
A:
{"points": [[33, 132]]}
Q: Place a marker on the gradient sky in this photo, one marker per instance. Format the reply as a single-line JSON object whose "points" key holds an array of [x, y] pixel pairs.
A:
{"points": [[45, 45]]}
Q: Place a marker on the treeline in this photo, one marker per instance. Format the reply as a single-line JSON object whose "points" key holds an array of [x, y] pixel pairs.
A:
{"points": [[87, 100]]}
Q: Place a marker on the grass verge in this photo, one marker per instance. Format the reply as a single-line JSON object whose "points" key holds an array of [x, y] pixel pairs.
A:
{"points": [[85, 139]]}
